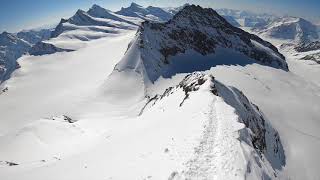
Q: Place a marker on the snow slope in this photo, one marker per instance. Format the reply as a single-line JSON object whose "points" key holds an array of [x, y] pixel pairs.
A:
{"points": [[46, 81], [213, 143], [151, 116], [14, 45], [291, 97]]}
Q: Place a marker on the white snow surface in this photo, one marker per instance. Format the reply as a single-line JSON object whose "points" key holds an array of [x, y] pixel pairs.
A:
{"points": [[113, 139], [41, 85]]}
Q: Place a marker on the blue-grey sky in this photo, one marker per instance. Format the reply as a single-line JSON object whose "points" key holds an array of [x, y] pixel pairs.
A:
{"points": [[25, 14]]}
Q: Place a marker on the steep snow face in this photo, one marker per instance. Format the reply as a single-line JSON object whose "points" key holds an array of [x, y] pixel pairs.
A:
{"points": [[149, 13], [290, 28], [34, 36], [11, 48], [195, 31]]}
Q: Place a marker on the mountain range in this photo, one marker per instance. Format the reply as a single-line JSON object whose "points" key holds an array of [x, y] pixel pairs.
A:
{"points": [[161, 93]]}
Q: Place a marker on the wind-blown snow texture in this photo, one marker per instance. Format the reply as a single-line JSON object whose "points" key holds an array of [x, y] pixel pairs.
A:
{"points": [[151, 115], [254, 152]]}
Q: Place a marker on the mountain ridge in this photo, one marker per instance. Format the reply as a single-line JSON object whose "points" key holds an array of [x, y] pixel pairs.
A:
{"points": [[203, 31]]}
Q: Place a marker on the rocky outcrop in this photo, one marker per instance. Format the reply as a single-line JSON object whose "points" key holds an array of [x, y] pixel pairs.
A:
{"points": [[258, 132], [11, 48], [34, 36], [203, 31], [312, 57], [42, 48], [308, 46]]}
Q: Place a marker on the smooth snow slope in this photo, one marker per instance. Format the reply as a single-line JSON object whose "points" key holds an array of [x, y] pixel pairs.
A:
{"points": [[295, 102], [57, 84], [291, 103], [109, 141], [169, 140], [288, 99]]}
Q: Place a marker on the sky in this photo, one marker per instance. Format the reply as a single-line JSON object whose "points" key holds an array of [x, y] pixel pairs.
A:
{"points": [[16, 15]]}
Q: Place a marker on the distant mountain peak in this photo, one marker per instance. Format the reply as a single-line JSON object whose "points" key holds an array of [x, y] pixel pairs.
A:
{"points": [[149, 13], [8, 37], [95, 6], [135, 5], [195, 14], [80, 11]]}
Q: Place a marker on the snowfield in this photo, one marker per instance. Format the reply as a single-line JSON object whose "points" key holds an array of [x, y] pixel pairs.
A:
{"points": [[60, 83], [148, 105]]}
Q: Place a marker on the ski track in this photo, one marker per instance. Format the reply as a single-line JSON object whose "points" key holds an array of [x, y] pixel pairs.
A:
{"points": [[216, 156]]}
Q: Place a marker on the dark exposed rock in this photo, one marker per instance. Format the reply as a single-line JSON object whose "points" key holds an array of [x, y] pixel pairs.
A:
{"points": [[311, 46], [64, 118], [59, 29], [42, 48], [191, 82], [203, 30], [263, 137], [8, 163], [312, 57]]}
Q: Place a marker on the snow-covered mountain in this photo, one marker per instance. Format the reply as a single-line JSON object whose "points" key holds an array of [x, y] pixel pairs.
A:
{"points": [[264, 151], [11, 49], [94, 24], [199, 32], [161, 50], [191, 97], [34, 36], [149, 13], [98, 22], [197, 39], [14, 45]]}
